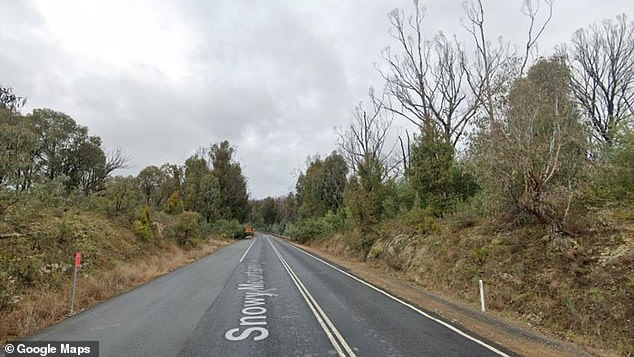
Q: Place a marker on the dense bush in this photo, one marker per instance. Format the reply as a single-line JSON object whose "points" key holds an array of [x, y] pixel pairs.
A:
{"points": [[228, 228], [143, 225], [188, 230]]}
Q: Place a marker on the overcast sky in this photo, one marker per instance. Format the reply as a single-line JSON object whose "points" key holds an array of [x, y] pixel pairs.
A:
{"points": [[159, 79]]}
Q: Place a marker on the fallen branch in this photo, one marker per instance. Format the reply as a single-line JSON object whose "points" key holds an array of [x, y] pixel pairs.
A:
{"points": [[10, 235]]}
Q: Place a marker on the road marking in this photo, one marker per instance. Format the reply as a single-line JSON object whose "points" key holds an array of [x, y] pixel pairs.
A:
{"points": [[247, 251], [452, 328], [329, 328], [253, 307]]}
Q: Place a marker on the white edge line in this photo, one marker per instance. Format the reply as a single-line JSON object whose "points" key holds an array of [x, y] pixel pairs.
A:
{"points": [[247, 251], [452, 328], [331, 331]]}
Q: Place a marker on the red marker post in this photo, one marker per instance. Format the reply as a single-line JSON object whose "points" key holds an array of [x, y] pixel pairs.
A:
{"points": [[77, 265]]}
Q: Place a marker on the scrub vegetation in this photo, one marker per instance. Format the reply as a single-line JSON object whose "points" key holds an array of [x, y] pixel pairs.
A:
{"points": [[58, 196], [520, 173]]}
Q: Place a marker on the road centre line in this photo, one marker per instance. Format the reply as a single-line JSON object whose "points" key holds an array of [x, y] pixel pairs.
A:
{"points": [[329, 328], [247, 251], [452, 328]]}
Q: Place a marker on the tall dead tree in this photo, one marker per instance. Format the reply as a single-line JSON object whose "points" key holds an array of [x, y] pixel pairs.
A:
{"points": [[363, 143], [436, 79], [427, 80], [603, 75], [492, 69]]}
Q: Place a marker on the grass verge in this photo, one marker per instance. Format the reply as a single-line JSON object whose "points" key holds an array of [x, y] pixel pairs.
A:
{"points": [[41, 308]]}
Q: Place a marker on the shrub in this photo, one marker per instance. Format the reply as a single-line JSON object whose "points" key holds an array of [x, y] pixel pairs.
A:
{"points": [[143, 225], [228, 228], [314, 228], [188, 229]]}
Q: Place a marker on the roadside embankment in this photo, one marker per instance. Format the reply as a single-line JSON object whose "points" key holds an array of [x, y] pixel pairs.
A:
{"points": [[36, 266], [579, 289]]}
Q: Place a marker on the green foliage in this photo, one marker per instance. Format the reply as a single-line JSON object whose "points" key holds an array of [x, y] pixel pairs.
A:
{"points": [[269, 211], [430, 170], [365, 195], [614, 178], [422, 220], [188, 229], [233, 196], [228, 228], [316, 227], [143, 225], [150, 180], [202, 189], [400, 197], [321, 188], [65, 148], [9, 100], [122, 195], [530, 161], [175, 203]]}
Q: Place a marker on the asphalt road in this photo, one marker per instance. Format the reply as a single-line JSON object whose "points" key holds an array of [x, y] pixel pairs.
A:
{"points": [[264, 297]]}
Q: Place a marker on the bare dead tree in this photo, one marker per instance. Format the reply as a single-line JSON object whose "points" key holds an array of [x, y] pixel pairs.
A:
{"points": [[363, 143], [603, 75], [435, 80], [96, 177], [405, 151], [427, 80], [492, 69], [530, 8]]}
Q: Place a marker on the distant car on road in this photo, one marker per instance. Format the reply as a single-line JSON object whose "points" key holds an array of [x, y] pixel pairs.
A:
{"points": [[249, 232]]}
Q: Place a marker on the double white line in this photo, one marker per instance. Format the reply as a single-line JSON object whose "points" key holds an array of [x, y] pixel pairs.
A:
{"points": [[452, 328], [329, 328]]}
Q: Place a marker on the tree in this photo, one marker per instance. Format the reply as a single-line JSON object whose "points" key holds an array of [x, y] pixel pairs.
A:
{"points": [[309, 185], [18, 144], [208, 202], [9, 100], [492, 69], [320, 189], [431, 165], [603, 75], [65, 149], [233, 186], [150, 180], [195, 169], [435, 80], [363, 145], [531, 161], [173, 179], [428, 79], [269, 211], [122, 193], [334, 175]]}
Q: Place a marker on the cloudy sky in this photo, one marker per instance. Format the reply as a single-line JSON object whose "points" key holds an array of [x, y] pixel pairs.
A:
{"points": [[159, 79]]}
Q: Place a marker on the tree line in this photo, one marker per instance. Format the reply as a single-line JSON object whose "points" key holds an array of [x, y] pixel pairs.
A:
{"points": [[501, 131], [47, 159]]}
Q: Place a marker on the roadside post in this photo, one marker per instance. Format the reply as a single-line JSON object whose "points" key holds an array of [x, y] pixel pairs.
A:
{"points": [[77, 264], [482, 307]]}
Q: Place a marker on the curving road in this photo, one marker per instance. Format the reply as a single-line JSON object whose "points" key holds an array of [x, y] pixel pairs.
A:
{"points": [[264, 297]]}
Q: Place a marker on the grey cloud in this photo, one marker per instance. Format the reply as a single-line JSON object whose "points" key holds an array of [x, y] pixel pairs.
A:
{"points": [[274, 78]]}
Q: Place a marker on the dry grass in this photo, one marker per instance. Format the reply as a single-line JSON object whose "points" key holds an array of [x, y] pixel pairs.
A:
{"points": [[580, 289], [40, 309]]}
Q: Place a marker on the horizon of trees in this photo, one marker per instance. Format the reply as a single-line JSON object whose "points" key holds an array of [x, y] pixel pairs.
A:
{"points": [[48, 160]]}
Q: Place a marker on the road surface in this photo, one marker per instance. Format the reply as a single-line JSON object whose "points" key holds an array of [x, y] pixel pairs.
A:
{"points": [[264, 297]]}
